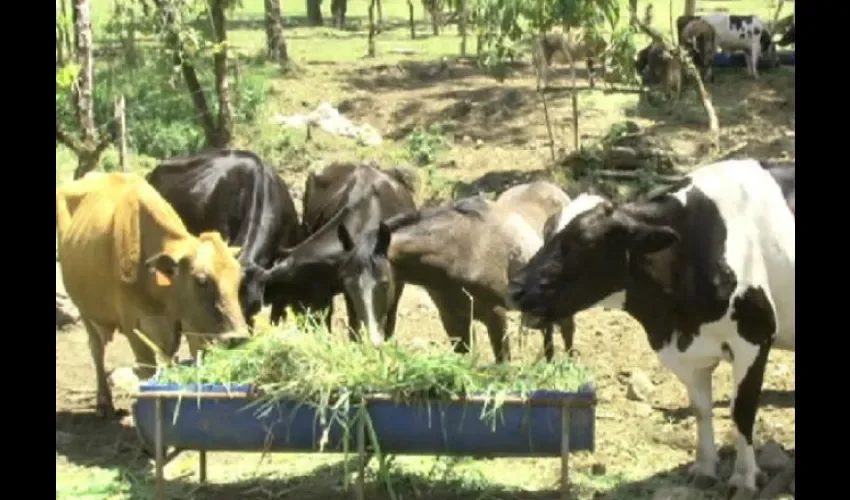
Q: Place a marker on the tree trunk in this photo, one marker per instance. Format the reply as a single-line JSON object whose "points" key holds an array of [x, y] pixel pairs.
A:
{"points": [[222, 85], [690, 7], [314, 12], [275, 43], [60, 45], [461, 26], [372, 29], [436, 16], [66, 36], [380, 15], [88, 148], [411, 20], [190, 76], [338, 11]]}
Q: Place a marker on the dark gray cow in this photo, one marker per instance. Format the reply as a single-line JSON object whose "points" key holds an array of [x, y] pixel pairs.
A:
{"points": [[706, 267]]}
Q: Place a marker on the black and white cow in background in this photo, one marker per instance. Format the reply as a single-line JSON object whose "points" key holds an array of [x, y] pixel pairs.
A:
{"points": [[706, 267], [745, 33]]}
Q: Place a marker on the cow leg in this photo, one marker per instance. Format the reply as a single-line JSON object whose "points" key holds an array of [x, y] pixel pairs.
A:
{"points": [[697, 380], [455, 316], [97, 348], [754, 58], [548, 344], [496, 322], [568, 331], [160, 331], [748, 366], [591, 72], [392, 312], [277, 314], [700, 396]]}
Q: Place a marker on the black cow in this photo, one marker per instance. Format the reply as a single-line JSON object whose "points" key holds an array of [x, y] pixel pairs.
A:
{"points": [[234, 193], [706, 266], [359, 195]]}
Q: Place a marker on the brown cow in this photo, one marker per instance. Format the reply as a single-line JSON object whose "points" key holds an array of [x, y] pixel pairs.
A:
{"points": [[128, 262]]}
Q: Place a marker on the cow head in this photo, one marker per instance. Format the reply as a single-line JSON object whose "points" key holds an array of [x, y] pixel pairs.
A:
{"points": [[202, 276], [586, 261], [367, 277], [306, 285]]}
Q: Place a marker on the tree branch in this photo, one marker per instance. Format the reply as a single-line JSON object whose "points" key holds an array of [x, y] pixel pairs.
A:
{"points": [[68, 140], [685, 60]]}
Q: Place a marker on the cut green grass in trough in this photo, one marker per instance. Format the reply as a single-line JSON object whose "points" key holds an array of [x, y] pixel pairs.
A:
{"points": [[302, 360]]}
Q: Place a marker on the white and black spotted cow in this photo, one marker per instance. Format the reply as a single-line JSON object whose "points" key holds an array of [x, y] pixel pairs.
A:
{"points": [[745, 33], [706, 266]]}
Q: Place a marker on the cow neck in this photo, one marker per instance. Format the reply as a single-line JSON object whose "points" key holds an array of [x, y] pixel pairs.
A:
{"points": [[324, 244], [646, 300]]}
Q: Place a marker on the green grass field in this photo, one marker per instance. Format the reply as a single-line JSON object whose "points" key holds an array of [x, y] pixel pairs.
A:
{"points": [[492, 137]]}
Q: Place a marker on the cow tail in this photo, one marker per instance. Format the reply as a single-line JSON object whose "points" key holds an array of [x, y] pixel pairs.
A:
{"points": [[128, 242]]}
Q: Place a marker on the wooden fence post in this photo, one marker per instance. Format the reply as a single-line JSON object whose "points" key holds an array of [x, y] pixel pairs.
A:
{"points": [[121, 120]]}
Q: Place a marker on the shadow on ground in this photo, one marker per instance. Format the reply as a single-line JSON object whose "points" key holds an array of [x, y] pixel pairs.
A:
{"points": [[736, 97], [496, 182], [87, 440], [769, 398]]}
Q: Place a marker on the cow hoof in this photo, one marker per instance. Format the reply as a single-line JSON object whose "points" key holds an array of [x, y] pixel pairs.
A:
{"points": [[738, 487], [703, 481], [702, 476], [737, 493]]}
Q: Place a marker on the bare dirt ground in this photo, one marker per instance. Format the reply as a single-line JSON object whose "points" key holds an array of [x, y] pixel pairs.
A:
{"points": [[643, 446]]}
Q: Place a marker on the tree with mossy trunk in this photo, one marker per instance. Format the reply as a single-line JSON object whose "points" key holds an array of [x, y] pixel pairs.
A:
{"points": [[314, 13], [88, 145], [275, 42], [186, 47]]}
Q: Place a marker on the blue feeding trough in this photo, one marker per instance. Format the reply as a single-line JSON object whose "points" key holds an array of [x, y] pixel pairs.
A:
{"points": [[737, 60], [211, 417]]}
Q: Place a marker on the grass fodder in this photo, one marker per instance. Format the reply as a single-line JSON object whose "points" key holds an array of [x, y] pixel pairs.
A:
{"points": [[303, 362]]}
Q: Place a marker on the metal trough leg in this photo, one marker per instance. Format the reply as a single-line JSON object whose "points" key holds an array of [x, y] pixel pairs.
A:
{"points": [[160, 452], [202, 466], [565, 451], [361, 458]]}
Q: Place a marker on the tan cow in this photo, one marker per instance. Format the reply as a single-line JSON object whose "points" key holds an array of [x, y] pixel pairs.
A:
{"points": [[128, 262]]}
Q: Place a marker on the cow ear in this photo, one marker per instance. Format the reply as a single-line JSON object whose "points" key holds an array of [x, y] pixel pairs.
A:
{"points": [[344, 238], [646, 238], [163, 267], [382, 244], [235, 251]]}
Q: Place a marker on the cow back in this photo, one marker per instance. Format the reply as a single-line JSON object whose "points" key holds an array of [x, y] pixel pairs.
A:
{"points": [[235, 193]]}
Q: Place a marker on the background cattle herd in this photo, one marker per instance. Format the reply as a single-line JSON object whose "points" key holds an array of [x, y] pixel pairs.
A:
{"points": [[205, 245]]}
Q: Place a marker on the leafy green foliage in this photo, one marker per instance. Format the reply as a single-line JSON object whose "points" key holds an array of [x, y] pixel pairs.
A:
{"points": [[424, 143], [623, 52], [501, 24], [161, 119]]}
